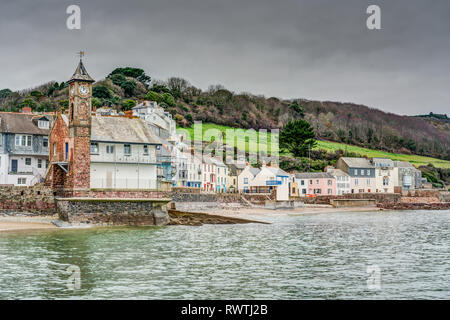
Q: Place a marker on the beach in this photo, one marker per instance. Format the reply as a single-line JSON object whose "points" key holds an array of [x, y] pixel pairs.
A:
{"points": [[22, 223]]}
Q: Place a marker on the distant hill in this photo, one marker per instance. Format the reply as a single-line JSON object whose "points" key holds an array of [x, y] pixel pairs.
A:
{"points": [[343, 122]]}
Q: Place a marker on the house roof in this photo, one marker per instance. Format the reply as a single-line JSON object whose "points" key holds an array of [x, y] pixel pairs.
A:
{"points": [[278, 171], [25, 123], [81, 74], [313, 175], [384, 161], [403, 164], [121, 129], [337, 172], [254, 171], [357, 162]]}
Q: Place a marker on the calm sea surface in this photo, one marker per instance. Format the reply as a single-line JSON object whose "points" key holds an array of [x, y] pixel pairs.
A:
{"points": [[322, 256]]}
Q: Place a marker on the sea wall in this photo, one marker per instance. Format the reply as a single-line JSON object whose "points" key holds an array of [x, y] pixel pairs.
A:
{"points": [[378, 197], [340, 203], [135, 212], [206, 201], [38, 199]]}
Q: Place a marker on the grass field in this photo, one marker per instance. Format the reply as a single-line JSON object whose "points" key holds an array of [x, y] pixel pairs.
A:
{"points": [[331, 147]]}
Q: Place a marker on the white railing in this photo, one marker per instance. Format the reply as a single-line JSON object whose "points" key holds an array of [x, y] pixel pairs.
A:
{"points": [[125, 183]]}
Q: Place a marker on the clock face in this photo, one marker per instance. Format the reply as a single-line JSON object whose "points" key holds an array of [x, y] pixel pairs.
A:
{"points": [[84, 90]]}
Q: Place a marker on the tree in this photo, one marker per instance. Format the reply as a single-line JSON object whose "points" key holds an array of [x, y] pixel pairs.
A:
{"points": [[118, 79], [168, 98], [128, 87], [28, 102], [101, 92], [96, 102], [4, 93], [136, 73], [128, 104], [297, 137], [297, 108], [153, 96]]}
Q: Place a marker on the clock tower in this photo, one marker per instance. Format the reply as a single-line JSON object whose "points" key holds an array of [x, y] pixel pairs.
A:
{"points": [[80, 92]]}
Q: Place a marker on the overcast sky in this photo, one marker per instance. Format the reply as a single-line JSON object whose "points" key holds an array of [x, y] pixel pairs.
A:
{"points": [[312, 49]]}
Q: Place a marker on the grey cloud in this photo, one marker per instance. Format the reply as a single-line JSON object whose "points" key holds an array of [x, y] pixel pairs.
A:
{"points": [[310, 49]]}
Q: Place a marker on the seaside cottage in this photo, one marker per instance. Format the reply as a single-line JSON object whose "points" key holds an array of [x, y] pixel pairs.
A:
{"points": [[222, 175], [361, 172], [245, 177], [270, 178], [342, 180], [209, 181], [317, 183], [24, 147], [233, 172], [384, 174], [406, 176]]}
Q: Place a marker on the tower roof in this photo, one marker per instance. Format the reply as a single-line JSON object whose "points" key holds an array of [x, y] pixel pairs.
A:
{"points": [[81, 74]]}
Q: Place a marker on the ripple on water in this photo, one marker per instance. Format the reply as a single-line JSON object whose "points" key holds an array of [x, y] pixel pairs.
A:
{"points": [[322, 256]]}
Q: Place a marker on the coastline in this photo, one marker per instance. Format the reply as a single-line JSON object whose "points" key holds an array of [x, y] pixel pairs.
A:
{"points": [[24, 223]]}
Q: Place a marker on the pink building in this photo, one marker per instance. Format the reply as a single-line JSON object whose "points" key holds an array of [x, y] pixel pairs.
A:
{"points": [[317, 183]]}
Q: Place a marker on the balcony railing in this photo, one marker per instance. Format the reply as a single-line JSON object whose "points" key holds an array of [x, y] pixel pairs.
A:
{"points": [[125, 183], [124, 159]]}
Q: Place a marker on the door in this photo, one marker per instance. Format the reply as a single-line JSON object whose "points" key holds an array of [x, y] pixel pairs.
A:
{"points": [[14, 165], [66, 151]]}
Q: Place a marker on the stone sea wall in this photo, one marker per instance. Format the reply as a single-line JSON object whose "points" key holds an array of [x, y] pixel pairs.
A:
{"points": [[38, 199], [136, 212]]}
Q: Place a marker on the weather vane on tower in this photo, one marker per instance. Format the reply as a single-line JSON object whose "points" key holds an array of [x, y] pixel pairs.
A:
{"points": [[81, 54]]}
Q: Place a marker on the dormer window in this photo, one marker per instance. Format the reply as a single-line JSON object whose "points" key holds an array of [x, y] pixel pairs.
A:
{"points": [[43, 124]]}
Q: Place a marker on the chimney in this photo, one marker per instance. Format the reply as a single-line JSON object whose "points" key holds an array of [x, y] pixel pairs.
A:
{"points": [[26, 110]]}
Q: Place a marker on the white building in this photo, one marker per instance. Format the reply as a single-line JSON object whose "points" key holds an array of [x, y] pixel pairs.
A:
{"points": [[245, 177], [384, 174], [157, 118], [266, 180], [209, 181], [23, 148], [123, 154], [342, 180]]}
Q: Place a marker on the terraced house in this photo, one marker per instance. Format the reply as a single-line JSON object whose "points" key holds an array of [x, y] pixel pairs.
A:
{"points": [[24, 148], [361, 172]]}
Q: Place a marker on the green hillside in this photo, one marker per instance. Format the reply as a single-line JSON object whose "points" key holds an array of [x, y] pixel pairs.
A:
{"points": [[334, 146]]}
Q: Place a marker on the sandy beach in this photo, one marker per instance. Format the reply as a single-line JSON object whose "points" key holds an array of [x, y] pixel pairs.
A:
{"points": [[15, 223], [268, 215]]}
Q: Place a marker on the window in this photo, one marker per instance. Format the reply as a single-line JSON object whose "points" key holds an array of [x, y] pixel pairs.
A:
{"points": [[54, 148], [39, 163], [330, 191], [330, 182], [109, 149], [145, 150], [21, 180], [317, 181], [302, 182], [246, 180], [94, 148], [356, 182], [356, 172], [47, 163], [43, 124], [362, 172], [127, 149], [304, 191], [23, 140], [45, 142], [310, 182], [28, 161], [368, 182]]}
